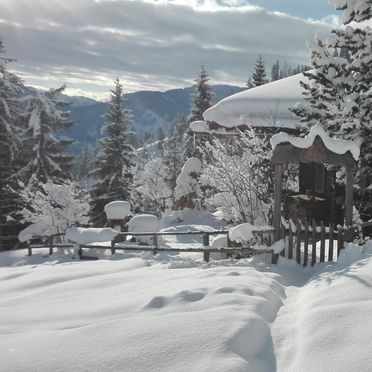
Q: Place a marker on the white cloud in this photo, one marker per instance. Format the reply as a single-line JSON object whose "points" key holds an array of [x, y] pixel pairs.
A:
{"points": [[150, 46]]}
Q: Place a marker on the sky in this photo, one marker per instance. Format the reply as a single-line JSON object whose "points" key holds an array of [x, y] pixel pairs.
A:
{"points": [[155, 44]]}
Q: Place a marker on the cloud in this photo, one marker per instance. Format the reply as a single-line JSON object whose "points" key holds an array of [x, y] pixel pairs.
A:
{"points": [[148, 45]]}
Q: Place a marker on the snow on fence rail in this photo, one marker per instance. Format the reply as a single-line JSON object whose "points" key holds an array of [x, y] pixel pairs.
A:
{"points": [[117, 244]]}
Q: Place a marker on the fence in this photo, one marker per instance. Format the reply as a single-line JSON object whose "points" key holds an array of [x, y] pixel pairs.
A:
{"points": [[310, 243]]}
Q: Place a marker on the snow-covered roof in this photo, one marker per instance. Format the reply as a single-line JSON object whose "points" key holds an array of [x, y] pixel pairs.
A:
{"points": [[335, 145], [265, 106]]}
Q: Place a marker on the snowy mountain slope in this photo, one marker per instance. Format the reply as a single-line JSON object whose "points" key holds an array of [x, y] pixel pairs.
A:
{"points": [[134, 312], [151, 110]]}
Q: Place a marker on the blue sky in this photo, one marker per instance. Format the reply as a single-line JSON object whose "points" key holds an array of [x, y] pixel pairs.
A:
{"points": [[155, 44]]}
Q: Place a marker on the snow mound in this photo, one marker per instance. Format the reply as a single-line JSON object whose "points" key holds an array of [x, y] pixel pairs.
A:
{"points": [[264, 106], [335, 145], [117, 210], [244, 232], [82, 235], [144, 223], [220, 241], [199, 126], [40, 228]]}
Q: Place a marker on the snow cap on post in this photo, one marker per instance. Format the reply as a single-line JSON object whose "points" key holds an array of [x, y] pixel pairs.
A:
{"points": [[199, 126], [335, 145], [117, 210]]}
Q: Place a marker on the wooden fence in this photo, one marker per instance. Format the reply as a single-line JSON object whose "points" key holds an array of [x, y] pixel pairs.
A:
{"points": [[310, 243]]}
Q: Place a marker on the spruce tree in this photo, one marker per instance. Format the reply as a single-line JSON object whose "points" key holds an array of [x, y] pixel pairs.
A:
{"points": [[43, 149], [202, 97], [338, 94], [259, 75], [9, 148], [275, 71], [112, 176]]}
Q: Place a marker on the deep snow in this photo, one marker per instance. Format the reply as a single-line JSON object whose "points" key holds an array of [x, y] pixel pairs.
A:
{"points": [[136, 312]]}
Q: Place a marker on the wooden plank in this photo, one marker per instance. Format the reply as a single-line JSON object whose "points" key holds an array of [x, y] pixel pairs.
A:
{"points": [[306, 243], [340, 240], [322, 242], [313, 248], [331, 243], [290, 241], [298, 242], [282, 236]]}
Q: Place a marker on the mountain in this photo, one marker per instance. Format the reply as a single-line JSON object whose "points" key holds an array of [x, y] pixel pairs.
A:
{"points": [[151, 110]]}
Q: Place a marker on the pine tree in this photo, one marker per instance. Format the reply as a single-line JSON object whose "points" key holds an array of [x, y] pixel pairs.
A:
{"points": [[338, 95], [259, 75], [275, 71], [10, 144], [43, 150], [202, 97], [112, 174]]}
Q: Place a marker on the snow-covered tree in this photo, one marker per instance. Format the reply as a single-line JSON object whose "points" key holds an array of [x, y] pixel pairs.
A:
{"points": [[52, 208], [202, 97], [10, 144], [112, 176], [259, 74], [338, 94], [43, 149], [241, 178], [275, 71], [151, 186], [173, 153]]}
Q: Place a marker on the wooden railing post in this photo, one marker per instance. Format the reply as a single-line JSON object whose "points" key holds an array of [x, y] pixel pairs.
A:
{"points": [[206, 244], [306, 247], [50, 245], [298, 241], [29, 249], [322, 242], [340, 240], [155, 242], [113, 251], [290, 241], [331, 243]]}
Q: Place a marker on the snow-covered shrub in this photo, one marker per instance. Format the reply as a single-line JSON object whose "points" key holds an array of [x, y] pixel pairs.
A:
{"points": [[240, 178], [53, 209]]}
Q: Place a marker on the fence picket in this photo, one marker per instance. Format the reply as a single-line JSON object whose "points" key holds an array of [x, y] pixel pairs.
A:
{"points": [[313, 246], [306, 242], [331, 243], [298, 241], [290, 242], [322, 242]]}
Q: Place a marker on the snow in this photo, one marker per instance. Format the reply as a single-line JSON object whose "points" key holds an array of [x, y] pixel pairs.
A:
{"points": [[82, 235], [335, 145], [39, 228], [117, 210], [143, 223], [267, 105], [244, 232], [186, 181], [140, 314], [199, 126]]}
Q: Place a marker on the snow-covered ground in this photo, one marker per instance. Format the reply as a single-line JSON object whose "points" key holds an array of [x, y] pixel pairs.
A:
{"points": [[136, 312]]}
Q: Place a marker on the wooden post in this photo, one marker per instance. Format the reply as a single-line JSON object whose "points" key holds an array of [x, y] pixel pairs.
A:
{"points": [[331, 242], [113, 247], [306, 249], [50, 245], [313, 249], [298, 241], [290, 241], [29, 249], [206, 244], [155, 243], [282, 236], [349, 199], [80, 251], [340, 241], [322, 242], [277, 200]]}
